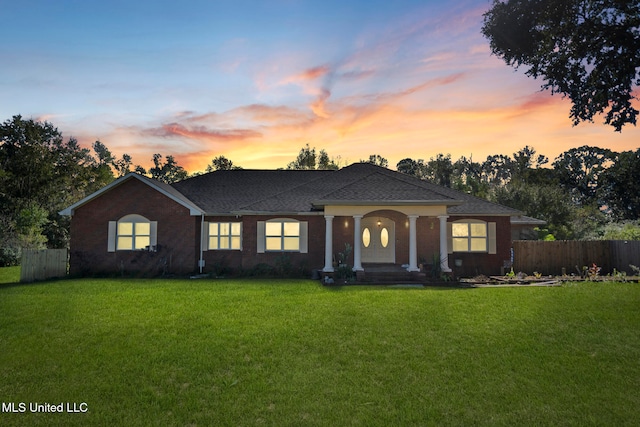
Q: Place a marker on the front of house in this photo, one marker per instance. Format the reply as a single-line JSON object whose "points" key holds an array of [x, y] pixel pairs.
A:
{"points": [[244, 218]]}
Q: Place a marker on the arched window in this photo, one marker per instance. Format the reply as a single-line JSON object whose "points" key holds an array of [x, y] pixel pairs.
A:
{"points": [[132, 232]]}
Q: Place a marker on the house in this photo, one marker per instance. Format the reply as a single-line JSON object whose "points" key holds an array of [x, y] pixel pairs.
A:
{"points": [[244, 218]]}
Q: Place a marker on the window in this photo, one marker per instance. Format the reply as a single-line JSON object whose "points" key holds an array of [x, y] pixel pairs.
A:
{"points": [[384, 237], [469, 236], [282, 235], [366, 237], [130, 233], [225, 236]]}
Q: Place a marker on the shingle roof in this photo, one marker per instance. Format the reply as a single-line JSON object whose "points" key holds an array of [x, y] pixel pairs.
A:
{"points": [[265, 191]]}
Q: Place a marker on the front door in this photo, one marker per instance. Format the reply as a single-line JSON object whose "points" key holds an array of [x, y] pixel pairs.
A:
{"points": [[378, 240]]}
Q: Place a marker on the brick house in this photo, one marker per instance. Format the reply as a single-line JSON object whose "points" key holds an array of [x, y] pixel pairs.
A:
{"points": [[243, 218]]}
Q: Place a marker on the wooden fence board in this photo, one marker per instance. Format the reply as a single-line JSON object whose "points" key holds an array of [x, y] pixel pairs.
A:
{"points": [[553, 257], [43, 264]]}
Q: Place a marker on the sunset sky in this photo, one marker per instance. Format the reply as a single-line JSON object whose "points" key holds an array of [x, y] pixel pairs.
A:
{"points": [[256, 81]]}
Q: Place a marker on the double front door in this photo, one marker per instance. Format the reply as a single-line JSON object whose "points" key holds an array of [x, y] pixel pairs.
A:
{"points": [[378, 240]]}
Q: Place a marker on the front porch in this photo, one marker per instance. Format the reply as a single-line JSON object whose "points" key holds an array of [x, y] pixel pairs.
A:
{"points": [[396, 238]]}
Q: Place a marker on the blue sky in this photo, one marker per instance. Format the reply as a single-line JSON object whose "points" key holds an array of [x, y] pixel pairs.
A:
{"points": [[256, 81]]}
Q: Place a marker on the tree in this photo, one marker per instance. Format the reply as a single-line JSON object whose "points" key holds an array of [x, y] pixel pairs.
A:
{"points": [[169, 171], [123, 166], [587, 50], [524, 161], [40, 174], [468, 177], [308, 160], [620, 186], [440, 170], [579, 170], [378, 160], [221, 163], [497, 169], [411, 167], [539, 201], [326, 163]]}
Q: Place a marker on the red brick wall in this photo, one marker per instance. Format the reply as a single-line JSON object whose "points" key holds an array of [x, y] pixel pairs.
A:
{"points": [[474, 264], [178, 241], [249, 256]]}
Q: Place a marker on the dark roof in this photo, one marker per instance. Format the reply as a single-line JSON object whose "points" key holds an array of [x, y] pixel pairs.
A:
{"points": [[293, 191]]}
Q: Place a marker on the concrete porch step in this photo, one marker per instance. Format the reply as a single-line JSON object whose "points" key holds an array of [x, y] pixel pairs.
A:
{"points": [[388, 273]]}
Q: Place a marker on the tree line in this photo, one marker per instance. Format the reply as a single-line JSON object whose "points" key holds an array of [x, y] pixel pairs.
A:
{"points": [[585, 193]]}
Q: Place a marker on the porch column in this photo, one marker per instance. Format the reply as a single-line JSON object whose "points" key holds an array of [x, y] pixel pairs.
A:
{"points": [[444, 251], [357, 244], [328, 244], [413, 250]]}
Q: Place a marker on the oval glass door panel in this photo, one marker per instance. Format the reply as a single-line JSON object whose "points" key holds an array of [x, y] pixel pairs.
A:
{"points": [[366, 237], [384, 237]]}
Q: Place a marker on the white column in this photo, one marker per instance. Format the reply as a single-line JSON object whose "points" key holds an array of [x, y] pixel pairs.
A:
{"points": [[357, 244], [413, 244], [328, 244], [444, 251]]}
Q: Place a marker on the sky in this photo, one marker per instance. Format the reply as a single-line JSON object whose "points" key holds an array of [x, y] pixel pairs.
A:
{"points": [[255, 81]]}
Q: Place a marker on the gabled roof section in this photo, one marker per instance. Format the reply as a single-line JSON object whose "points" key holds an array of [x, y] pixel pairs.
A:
{"points": [[364, 183], [161, 187]]}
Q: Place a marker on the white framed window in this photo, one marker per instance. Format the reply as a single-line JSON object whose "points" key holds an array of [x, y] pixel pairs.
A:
{"points": [[132, 232], [282, 235], [472, 235], [223, 236]]}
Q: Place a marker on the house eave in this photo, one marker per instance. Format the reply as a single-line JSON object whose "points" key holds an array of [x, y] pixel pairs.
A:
{"points": [[269, 213], [323, 203]]}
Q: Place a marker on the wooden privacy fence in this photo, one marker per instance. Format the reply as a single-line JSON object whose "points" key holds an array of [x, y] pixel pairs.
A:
{"points": [[552, 257], [43, 264]]}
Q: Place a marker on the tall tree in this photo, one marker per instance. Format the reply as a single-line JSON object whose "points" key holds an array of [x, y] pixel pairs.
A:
{"points": [[440, 170], [40, 172], [308, 160], [620, 186], [327, 163], [497, 169], [544, 202], [411, 167], [579, 170], [587, 50], [168, 171], [378, 160], [468, 177], [526, 165], [221, 163]]}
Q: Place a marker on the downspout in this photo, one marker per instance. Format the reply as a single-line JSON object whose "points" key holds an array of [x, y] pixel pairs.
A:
{"points": [[201, 260]]}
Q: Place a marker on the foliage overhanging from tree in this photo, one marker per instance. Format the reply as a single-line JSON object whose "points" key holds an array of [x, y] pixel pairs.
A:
{"points": [[587, 50]]}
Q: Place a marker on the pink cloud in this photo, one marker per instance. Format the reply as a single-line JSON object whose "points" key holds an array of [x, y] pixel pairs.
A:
{"points": [[202, 133]]}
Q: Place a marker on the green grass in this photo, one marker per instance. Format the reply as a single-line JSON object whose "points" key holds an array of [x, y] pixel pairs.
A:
{"points": [[9, 275], [294, 353]]}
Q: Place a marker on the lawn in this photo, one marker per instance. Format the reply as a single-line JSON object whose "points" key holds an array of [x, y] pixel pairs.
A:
{"points": [[294, 353]]}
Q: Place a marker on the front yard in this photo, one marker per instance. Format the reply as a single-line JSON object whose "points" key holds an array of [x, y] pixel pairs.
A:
{"points": [[249, 352]]}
